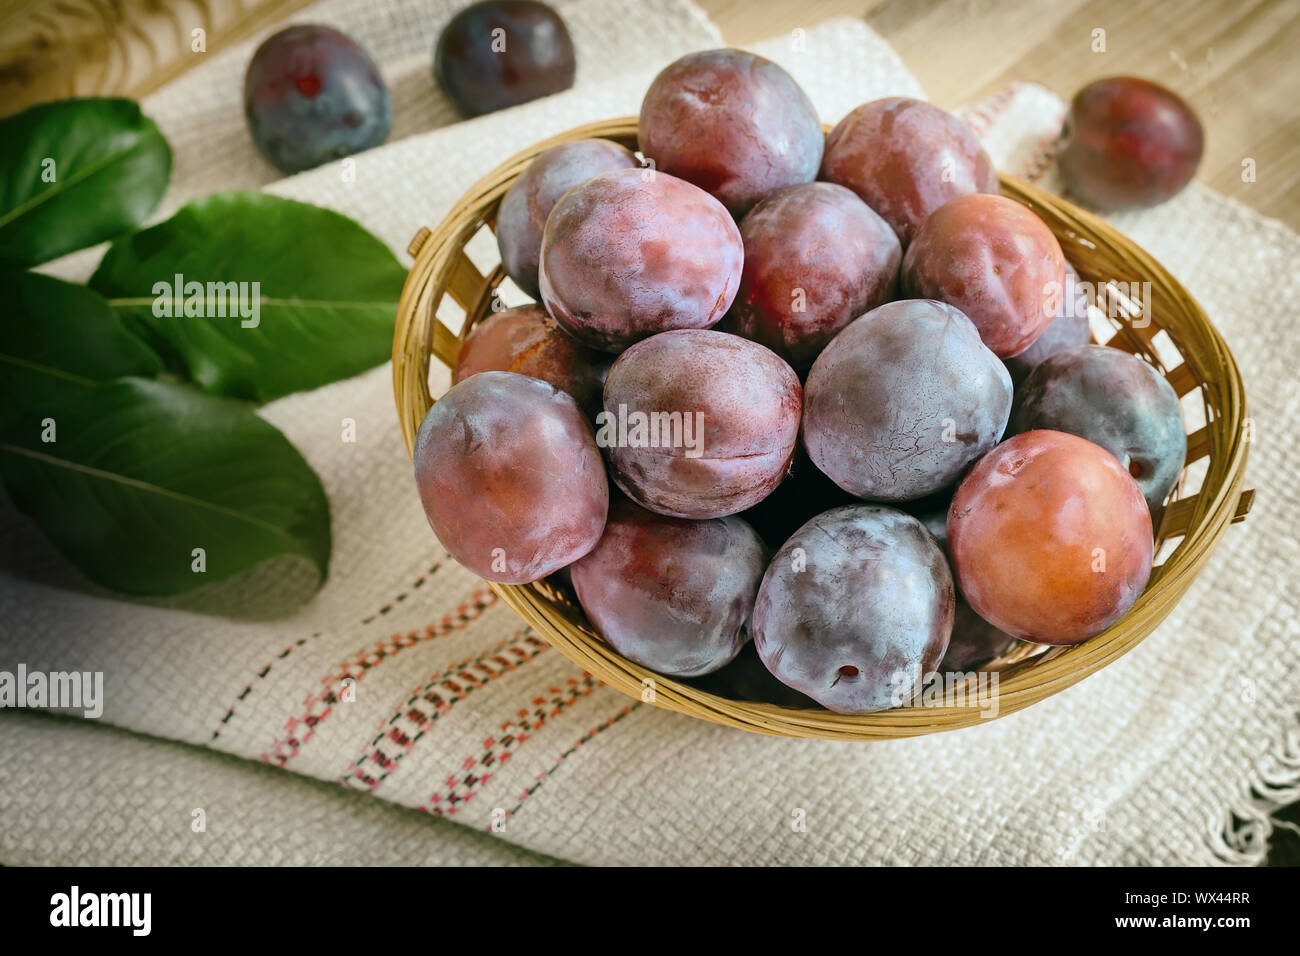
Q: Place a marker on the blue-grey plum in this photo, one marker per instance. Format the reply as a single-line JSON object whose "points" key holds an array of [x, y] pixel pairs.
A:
{"points": [[1115, 400], [672, 595], [903, 400], [1068, 329], [855, 609], [501, 53], [699, 424], [732, 123], [529, 200], [510, 477], [816, 257], [312, 95]]}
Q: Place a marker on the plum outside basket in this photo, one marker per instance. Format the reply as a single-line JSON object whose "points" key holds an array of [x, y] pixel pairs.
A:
{"points": [[1178, 340]]}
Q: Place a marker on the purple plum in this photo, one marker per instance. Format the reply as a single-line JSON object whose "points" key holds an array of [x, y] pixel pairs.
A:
{"points": [[1129, 143], [855, 609], [501, 53], [672, 595], [531, 197], [906, 158], [699, 424], [733, 124], [631, 253], [816, 257], [996, 261], [510, 477]]}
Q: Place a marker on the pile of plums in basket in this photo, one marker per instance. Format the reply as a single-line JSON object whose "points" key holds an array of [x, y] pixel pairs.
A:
{"points": [[763, 410]]}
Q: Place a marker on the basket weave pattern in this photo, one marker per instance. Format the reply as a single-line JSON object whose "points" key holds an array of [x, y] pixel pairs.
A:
{"points": [[1179, 340]]}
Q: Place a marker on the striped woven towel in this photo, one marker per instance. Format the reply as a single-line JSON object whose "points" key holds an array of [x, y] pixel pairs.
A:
{"points": [[406, 680]]}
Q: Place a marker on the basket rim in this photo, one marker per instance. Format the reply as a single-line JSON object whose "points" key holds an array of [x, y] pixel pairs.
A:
{"points": [[1219, 502]]}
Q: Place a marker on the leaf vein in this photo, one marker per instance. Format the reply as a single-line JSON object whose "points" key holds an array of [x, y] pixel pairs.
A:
{"points": [[148, 487]]}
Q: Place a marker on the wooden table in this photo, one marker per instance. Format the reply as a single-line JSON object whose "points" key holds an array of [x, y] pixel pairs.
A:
{"points": [[1234, 60]]}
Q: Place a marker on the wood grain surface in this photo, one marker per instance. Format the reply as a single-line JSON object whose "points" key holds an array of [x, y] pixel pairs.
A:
{"points": [[1236, 62]]}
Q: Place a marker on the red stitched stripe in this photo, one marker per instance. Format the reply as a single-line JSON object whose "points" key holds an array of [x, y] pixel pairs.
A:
{"points": [[980, 118], [248, 689], [1044, 154], [399, 734], [589, 735], [462, 785], [318, 707]]}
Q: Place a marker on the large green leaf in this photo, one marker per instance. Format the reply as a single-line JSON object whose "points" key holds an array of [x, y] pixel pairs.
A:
{"points": [[141, 473], [74, 173], [55, 336], [326, 293]]}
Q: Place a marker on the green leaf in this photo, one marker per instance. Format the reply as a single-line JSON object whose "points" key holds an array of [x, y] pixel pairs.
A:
{"points": [[325, 295], [140, 473], [74, 173], [54, 336]]}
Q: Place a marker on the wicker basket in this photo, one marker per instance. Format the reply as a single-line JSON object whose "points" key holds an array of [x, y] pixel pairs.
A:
{"points": [[1179, 340]]}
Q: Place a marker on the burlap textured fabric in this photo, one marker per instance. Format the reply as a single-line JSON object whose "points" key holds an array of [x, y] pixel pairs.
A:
{"points": [[1175, 754]]}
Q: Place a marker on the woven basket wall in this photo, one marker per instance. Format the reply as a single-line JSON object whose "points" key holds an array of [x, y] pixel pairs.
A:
{"points": [[1178, 339]]}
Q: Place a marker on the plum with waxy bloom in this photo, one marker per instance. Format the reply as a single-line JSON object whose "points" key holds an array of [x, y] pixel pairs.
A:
{"points": [[906, 158], [996, 261], [510, 477], [530, 199], [732, 123], [855, 609], [670, 594], [816, 258], [719, 419], [902, 400], [631, 253]]}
